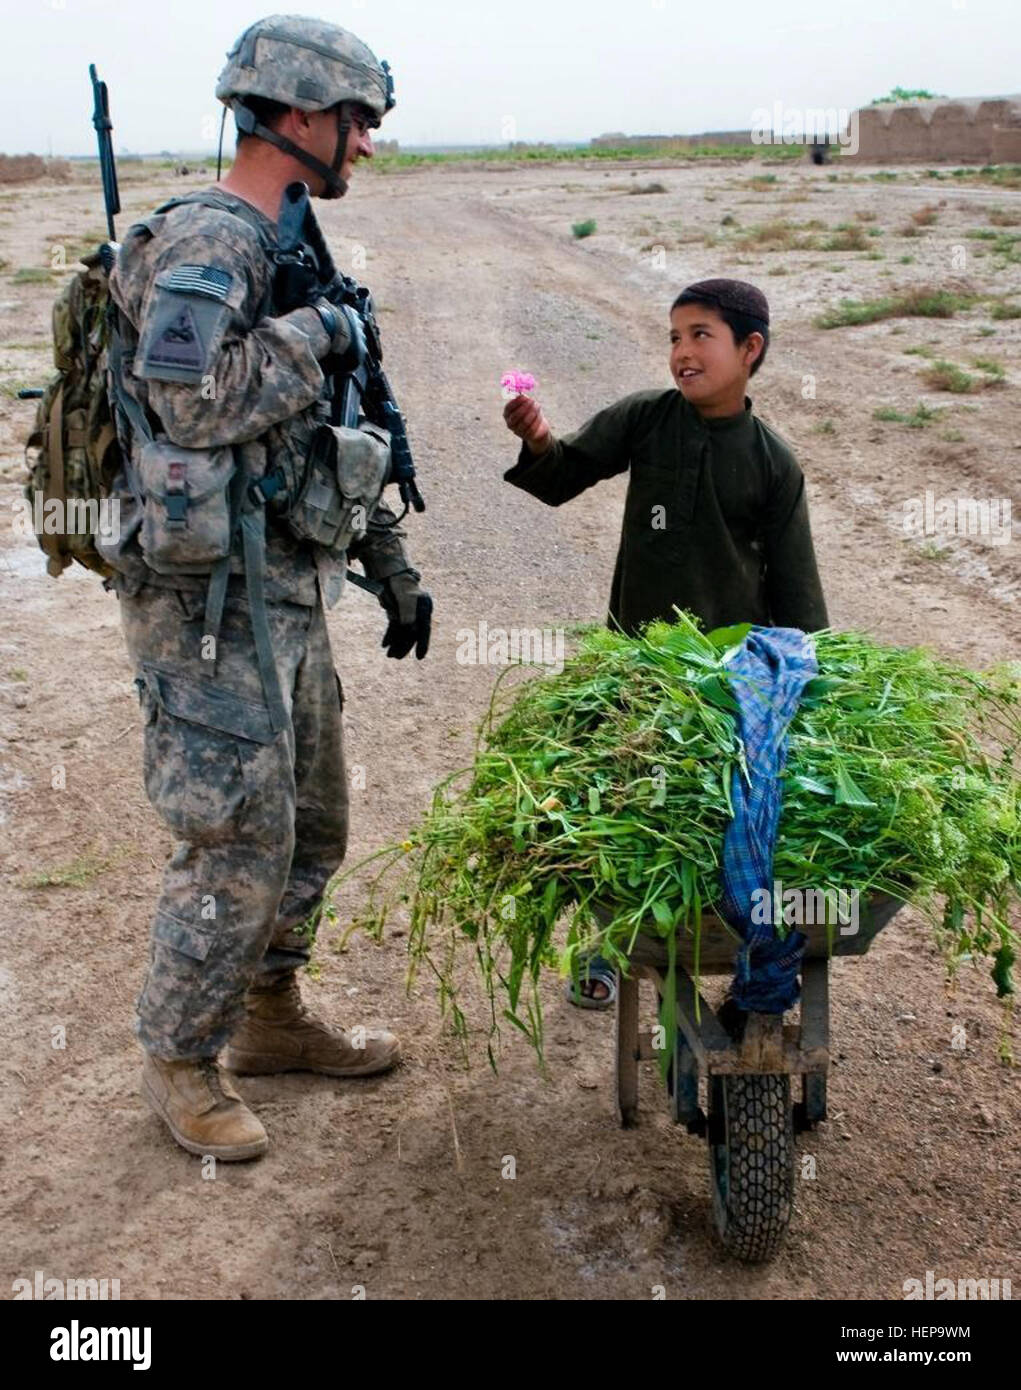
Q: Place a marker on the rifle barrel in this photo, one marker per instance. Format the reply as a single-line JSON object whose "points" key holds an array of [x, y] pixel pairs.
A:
{"points": [[104, 135]]}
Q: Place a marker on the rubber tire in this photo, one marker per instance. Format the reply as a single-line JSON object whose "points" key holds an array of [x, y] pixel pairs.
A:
{"points": [[751, 1162]]}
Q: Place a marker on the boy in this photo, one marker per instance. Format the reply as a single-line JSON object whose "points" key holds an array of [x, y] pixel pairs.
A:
{"points": [[716, 519]]}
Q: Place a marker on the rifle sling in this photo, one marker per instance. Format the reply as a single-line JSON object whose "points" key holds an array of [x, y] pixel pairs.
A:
{"points": [[53, 545], [253, 540]]}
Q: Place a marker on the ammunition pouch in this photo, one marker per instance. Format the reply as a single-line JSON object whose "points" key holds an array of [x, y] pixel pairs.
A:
{"points": [[345, 472], [187, 524]]}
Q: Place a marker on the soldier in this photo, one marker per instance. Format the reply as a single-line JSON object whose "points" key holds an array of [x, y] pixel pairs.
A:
{"points": [[223, 569]]}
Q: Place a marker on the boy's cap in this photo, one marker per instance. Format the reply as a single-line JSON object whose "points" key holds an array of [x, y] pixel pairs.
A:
{"points": [[736, 295]]}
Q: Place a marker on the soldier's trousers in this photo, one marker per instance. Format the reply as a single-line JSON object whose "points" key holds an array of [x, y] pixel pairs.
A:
{"points": [[259, 821]]}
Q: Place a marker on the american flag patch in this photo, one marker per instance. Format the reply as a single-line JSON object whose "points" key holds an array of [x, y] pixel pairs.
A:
{"points": [[199, 279]]}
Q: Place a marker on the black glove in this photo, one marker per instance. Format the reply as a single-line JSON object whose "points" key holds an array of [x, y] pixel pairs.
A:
{"points": [[409, 609]]}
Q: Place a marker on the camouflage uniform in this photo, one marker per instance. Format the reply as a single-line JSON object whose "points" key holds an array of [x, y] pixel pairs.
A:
{"points": [[259, 819]]}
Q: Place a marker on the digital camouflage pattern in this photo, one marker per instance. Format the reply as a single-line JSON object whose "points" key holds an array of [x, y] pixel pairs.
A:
{"points": [[303, 62], [258, 382], [258, 385], [259, 821]]}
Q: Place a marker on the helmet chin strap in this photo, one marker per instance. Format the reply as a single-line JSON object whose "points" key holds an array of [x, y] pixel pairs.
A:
{"points": [[336, 187]]}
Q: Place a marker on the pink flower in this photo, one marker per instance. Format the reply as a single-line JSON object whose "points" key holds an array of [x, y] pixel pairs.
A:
{"points": [[517, 384]]}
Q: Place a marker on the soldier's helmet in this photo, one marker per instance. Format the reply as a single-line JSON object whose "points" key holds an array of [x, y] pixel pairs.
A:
{"points": [[305, 63]]}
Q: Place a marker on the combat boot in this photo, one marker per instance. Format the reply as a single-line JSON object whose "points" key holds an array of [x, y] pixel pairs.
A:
{"points": [[201, 1108], [279, 1034]]}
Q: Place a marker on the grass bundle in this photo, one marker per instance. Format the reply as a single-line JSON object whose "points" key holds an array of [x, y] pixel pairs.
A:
{"points": [[610, 785]]}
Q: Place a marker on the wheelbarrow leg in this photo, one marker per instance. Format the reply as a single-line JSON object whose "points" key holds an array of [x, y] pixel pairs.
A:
{"points": [[815, 1040], [627, 1049]]}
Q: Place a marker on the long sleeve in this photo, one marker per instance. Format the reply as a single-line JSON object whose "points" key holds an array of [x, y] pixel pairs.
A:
{"points": [[213, 366], [600, 449], [381, 550], [260, 378], [793, 588]]}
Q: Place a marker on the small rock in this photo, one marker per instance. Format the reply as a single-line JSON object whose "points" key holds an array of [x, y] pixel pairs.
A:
{"points": [[906, 1018], [937, 1066]]}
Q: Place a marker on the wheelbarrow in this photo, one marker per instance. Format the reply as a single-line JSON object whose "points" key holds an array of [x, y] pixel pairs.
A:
{"points": [[748, 1120]]}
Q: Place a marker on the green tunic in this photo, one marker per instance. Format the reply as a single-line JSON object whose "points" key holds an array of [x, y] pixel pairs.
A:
{"points": [[715, 521]]}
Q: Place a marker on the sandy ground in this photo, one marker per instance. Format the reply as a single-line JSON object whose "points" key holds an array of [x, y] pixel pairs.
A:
{"points": [[395, 1184]]}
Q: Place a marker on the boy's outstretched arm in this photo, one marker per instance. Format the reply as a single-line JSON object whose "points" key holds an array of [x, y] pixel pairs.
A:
{"points": [[555, 470], [793, 588]]}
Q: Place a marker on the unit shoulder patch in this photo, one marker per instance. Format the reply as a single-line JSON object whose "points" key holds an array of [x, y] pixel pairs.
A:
{"points": [[184, 326]]}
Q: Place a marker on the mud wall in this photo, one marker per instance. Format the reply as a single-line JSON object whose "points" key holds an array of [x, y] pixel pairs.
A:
{"points": [[979, 130]]}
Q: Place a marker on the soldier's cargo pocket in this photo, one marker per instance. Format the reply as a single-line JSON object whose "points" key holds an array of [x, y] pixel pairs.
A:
{"points": [[186, 524], [199, 743], [185, 937]]}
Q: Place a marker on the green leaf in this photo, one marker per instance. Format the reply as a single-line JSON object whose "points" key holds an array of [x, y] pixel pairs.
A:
{"points": [[727, 777], [664, 917], [848, 791], [819, 686], [593, 801], [714, 692], [832, 835], [811, 784], [724, 637], [1002, 970]]}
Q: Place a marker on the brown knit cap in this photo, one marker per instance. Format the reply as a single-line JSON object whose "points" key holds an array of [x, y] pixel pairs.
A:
{"points": [[736, 295]]}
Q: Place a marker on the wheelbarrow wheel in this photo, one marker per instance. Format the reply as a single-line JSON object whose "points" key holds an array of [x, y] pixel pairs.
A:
{"points": [[751, 1162]]}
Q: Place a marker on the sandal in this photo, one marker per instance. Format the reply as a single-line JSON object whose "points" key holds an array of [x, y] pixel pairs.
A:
{"points": [[593, 970]]}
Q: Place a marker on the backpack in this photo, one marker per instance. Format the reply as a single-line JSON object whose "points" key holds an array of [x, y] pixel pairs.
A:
{"points": [[72, 453]]}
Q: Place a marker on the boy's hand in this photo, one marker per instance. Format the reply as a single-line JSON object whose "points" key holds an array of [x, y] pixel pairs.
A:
{"points": [[524, 418]]}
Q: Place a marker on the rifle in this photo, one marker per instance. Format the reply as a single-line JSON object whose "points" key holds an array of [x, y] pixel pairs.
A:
{"points": [[359, 384], [111, 196], [104, 134]]}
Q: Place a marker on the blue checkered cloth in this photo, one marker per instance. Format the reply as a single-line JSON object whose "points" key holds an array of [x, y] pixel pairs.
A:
{"points": [[767, 676]]}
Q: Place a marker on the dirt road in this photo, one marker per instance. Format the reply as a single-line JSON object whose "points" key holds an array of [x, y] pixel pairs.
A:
{"points": [[396, 1184]]}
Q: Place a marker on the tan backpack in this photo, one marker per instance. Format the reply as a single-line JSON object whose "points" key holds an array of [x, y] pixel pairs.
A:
{"points": [[72, 453]]}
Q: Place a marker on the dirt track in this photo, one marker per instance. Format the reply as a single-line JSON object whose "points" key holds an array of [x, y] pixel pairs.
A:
{"points": [[396, 1184]]}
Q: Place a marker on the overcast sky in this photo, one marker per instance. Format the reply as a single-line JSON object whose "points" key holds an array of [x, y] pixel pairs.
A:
{"points": [[478, 72]]}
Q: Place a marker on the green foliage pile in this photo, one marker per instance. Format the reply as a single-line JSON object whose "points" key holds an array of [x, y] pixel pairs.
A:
{"points": [[610, 785]]}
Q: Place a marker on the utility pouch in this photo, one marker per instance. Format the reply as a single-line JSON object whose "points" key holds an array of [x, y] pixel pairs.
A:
{"points": [[346, 470], [186, 520]]}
